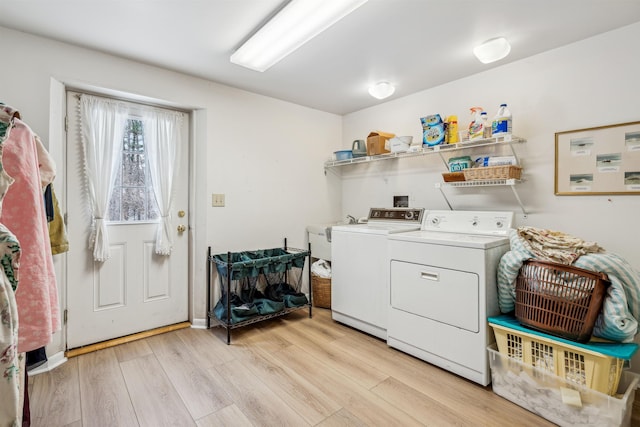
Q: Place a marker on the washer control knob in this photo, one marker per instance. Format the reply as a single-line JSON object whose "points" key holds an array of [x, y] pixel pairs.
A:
{"points": [[409, 215], [474, 223], [435, 220], [499, 224]]}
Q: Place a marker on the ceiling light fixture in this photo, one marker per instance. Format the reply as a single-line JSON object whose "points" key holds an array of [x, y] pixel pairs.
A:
{"points": [[297, 23], [382, 90], [492, 50]]}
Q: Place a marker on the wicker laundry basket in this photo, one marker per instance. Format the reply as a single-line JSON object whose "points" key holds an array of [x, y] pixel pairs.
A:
{"points": [[321, 288], [493, 172], [559, 299]]}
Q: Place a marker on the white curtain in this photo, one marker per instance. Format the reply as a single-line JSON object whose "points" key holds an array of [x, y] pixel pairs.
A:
{"points": [[163, 141], [103, 122]]}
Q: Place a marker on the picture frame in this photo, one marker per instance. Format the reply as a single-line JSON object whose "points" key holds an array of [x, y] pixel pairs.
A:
{"points": [[602, 160]]}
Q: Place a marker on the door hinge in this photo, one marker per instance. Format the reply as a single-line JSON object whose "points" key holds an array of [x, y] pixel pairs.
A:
{"points": [[65, 316], [66, 123]]}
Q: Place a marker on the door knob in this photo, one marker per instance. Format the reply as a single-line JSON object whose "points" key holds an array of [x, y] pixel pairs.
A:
{"points": [[181, 228]]}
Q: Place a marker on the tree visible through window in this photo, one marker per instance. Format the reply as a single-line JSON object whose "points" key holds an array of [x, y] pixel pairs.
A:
{"points": [[132, 198]]}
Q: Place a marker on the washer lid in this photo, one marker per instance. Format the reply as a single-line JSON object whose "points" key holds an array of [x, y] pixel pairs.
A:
{"points": [[375, 228]]}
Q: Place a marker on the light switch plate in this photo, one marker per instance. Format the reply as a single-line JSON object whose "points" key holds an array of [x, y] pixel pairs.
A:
{"points": [[217, 200]]}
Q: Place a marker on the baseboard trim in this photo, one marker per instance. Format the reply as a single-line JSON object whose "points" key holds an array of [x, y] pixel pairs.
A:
{"points": [[123, 340], [52, 362], [199, 324]]}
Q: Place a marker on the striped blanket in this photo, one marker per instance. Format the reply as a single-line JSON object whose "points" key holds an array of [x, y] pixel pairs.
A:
{"points": [[618, 319]]}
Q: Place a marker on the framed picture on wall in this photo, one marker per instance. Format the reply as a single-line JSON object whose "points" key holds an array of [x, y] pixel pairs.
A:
{"points": [[598, 161]]}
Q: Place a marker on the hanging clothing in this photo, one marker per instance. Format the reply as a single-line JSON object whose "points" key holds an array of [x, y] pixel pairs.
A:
{"points": [[46, 165], [48, 203], [12, 373], [23, 213], [57, 229], [11, 361]]}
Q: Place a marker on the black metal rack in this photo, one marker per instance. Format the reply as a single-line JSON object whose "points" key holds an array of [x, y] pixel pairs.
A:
{"points": [[253, 264]]}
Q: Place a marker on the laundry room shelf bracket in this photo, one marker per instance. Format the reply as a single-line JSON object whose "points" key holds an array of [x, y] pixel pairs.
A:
{"points": [[482, 183], [446, 151]]}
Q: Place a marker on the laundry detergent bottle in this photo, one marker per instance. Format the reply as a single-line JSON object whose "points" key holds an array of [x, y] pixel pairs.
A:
{"points": [[476, 127], [452, 130], [502, 122]]}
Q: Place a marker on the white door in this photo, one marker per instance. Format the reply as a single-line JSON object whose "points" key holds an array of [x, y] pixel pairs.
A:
{"points": [[135, 290]]}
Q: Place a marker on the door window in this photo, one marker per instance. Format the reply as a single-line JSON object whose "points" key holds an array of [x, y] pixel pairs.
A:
{"points": [[132, 199]]}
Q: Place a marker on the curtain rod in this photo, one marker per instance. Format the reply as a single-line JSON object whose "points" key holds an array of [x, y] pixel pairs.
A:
{"points": [[79, 92]]}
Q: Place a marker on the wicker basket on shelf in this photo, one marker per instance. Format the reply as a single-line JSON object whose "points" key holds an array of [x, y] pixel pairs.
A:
{"points": [[453, 176], [558, 299], [321, 288], [493, 172]]}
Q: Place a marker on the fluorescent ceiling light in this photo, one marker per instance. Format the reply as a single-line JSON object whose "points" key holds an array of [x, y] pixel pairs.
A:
{"points": [[297, 23], [382, 90], [492, 50]]}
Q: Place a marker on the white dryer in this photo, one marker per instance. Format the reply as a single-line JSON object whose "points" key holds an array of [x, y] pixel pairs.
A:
{"points": [[443, 287], [360, 267]]}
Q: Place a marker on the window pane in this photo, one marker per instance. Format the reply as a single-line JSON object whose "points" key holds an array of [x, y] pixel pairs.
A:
{"points": [[133, 204], [133, 169], [132, 198]]}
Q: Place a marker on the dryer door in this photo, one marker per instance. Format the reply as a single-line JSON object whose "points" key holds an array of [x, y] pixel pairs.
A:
{"points": [[440, 294]]}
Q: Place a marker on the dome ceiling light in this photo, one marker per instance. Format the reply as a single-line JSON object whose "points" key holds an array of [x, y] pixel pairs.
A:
{"points": [[492, 50], [382, 90]]}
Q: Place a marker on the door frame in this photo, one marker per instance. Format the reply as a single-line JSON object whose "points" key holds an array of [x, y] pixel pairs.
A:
{"points": [[57, 147]]}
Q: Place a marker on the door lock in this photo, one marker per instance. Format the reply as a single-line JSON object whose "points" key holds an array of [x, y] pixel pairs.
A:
{"points": [[181, 214]]}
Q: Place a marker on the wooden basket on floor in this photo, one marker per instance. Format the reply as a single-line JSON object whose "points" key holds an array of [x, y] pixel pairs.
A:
{"points": [[321, 288]]}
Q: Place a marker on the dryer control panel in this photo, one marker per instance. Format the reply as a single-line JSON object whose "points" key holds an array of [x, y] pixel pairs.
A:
{"points": [[469, 222]]}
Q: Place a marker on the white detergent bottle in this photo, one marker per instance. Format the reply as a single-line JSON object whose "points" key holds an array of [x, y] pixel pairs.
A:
{"points": [[502, 122], [486, 127]]}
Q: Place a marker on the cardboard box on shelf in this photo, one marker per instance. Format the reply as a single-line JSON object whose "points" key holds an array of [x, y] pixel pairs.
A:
{"points": [[376, 141]]}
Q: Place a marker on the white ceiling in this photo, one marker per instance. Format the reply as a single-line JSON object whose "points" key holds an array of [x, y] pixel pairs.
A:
{"points": [[415, 44]]}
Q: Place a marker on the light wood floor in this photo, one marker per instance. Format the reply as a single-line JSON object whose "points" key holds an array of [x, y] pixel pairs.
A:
{"points": [[290, 371]]}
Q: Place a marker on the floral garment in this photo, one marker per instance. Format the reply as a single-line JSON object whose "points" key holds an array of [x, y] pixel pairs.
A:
{"points": [[10, 359], [11, 362]]}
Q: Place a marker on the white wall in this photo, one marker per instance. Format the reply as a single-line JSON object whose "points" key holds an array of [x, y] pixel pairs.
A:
{"points": [[266, 155], [591, 83]]}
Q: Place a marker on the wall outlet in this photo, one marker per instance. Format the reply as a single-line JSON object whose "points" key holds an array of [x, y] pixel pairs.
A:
{"points": [[217, 200]]}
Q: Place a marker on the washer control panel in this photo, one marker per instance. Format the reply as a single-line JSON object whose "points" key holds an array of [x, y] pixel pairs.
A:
{"points": [[400, 215], [469, 222]]}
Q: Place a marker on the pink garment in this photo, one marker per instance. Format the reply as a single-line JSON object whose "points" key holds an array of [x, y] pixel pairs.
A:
{"points": [[23, 213]]}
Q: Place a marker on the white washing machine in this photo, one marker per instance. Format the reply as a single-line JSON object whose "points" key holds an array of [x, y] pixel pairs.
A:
{"points": [[360, 267], [443, 287]]}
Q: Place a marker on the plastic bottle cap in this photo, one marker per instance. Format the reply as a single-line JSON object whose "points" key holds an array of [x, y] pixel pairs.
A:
{"points": [[503, 105]]}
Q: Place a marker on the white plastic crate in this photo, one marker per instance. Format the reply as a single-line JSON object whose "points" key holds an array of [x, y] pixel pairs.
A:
{"points": [[596, 365], [541, 392]]}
